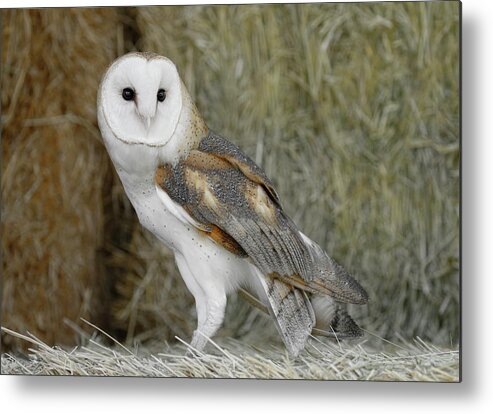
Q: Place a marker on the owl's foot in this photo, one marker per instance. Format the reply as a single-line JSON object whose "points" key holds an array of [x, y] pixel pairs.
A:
{"points": [[212, 323]]}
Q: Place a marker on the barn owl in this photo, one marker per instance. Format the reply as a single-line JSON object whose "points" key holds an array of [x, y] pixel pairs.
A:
{"points": [[215, 208]]}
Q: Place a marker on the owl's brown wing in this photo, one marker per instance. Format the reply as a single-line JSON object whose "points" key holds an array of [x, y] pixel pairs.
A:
{"points": [[231, 199]]}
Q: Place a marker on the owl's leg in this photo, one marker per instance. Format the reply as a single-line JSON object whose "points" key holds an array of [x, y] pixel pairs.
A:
{"points": [[210, 302], [194, 288]]}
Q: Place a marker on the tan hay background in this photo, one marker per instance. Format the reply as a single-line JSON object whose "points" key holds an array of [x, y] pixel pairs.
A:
{"points": [[351, 109]]}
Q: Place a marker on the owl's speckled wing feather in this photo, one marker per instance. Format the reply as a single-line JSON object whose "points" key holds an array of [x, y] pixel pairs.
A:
{"points": [[237, 206]]}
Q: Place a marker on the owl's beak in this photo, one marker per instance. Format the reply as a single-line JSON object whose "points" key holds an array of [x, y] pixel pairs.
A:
{"points": [[146, 119], [146, 113]]}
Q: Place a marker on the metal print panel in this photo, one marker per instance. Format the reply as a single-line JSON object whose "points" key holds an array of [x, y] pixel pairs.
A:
{"points": [[248, 191]]}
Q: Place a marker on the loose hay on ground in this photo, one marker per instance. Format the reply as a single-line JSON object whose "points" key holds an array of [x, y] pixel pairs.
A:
{"points": [[229, 358]]}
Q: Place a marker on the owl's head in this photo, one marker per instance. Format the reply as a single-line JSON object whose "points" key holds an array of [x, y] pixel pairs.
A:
{"points": [[141, 98]]}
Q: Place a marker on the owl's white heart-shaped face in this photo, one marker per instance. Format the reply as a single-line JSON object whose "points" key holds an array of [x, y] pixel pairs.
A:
{"points": [[141, 99]]}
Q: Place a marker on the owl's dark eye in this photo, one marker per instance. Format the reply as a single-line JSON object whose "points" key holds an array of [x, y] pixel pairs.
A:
{"points": [[161, 95], [128, 94]]}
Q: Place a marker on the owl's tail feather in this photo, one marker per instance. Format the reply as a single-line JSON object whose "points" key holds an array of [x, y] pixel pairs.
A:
{"points": [[343, 325], [339, 324], [333, 320], [292, 311]]}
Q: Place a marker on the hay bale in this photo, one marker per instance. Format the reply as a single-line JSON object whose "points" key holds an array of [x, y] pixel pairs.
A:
{"points": [[54, 169], [353, 110]]}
